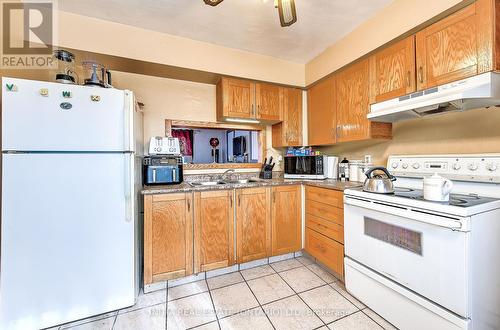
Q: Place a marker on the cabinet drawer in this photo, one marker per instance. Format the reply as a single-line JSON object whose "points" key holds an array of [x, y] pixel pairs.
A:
{"points": [[328, 196], [327, 251], [325, 211], [325, 227]]}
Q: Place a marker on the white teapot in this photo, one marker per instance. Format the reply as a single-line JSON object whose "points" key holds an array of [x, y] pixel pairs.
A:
{"points": [[437, 188]]}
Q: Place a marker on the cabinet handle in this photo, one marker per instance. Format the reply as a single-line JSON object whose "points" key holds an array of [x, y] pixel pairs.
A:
{"points": [[421, 74], [338, 131], [408, 78], [231, 201], [239, 200], [189, 204], [274, 197]]}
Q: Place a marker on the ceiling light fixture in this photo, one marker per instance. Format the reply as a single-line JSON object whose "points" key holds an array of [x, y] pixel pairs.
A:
{"points": [[213, 2], [287, 12]]}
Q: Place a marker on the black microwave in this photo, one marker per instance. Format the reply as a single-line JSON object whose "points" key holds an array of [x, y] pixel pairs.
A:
{"points": [[305, 167], [158, 170]]}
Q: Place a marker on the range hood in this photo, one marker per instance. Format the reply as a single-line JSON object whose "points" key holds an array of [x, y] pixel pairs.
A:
{"points": [[472, 93]]}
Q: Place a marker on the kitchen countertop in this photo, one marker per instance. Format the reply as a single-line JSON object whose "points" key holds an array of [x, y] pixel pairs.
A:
{"points": [[186, 187]]}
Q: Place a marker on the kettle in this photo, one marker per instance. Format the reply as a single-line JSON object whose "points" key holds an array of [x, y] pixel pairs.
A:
{"points": [[378, 183], [437, 188]]}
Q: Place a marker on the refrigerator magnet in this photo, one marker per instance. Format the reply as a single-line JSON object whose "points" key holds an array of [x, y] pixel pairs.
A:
{"points": [[95, 98], [44, 91], [11, 87], [67, 94]]}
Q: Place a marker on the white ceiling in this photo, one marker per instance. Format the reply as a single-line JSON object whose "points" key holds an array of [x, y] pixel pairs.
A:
{"points": [[251, 25]]}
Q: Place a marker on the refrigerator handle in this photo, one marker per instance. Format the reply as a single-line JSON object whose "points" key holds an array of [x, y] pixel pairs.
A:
{"points": [[129, 188], [128, 121]]}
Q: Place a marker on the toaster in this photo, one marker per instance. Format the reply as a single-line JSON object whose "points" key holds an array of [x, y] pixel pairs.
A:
{"points": [[164, 146]]}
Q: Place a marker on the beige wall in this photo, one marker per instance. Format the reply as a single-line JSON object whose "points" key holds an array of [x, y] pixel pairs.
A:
{"points": [[174, 99], [104, 37], [474, 131], [394, 20]]}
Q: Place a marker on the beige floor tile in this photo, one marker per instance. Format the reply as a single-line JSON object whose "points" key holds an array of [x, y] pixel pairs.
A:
{"points": [[301, 279], [224, 280], [281, 266], [292, 313], [104, 324], [251, 273], [208, 326], [247, 320], [88, 320], [357, 321], [339, 286], [190, 311], [185, 290], [305, 260], [146, 300], [377, 318], [270, 288], [233, 299], [322, 273], [151, 318], [328, 304]]}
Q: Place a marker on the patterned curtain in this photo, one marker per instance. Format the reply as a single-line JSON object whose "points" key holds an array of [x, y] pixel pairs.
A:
{"points": [[185, 137]]}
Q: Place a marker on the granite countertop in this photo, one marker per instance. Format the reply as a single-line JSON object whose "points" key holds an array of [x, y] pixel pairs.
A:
{"points": [[186, 187]]}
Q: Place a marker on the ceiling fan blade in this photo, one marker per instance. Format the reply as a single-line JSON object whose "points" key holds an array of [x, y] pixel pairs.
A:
{"points": [[287, 12], [212, 2]]}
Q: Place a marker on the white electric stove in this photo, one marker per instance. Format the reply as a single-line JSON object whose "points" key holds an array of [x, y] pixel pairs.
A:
{"points": [[423, 264]]}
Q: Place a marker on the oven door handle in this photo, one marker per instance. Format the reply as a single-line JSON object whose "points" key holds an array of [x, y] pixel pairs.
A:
{"points": [[407, 213]]}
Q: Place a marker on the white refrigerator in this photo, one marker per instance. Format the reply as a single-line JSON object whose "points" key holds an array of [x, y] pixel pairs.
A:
{"points": [[70, 224]]}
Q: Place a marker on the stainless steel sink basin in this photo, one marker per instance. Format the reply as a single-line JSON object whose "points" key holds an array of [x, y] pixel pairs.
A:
{"points": [[206, 183], [244, 181]]}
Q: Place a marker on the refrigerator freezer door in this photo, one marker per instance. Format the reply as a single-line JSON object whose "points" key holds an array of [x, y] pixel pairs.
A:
{"points": [[67, 249], [69, 118]]}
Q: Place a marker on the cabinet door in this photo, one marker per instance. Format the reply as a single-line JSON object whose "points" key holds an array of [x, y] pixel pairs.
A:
{"points": [[286, 219], [392, 71], [267, 98], [289, 132], [456, 47], [213, 230], [253, 224], [235, 98], [321, 112], [352, 102], [168, 237]]}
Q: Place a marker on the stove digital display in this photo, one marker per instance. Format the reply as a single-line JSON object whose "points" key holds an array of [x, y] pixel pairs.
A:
{"points": [[398, 236]]}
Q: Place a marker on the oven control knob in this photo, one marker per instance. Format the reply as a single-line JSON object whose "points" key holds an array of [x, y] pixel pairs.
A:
{"points": [[405, 166], [416, 166], [472, 166], [457, 166], [395, 165], [492, 167]]}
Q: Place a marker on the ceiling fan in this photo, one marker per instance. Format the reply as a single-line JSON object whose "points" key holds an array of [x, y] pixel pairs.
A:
{"points": [[286, 10]]}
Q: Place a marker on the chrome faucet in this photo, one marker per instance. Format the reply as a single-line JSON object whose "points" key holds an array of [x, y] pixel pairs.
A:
{"points": [[226, 172]]}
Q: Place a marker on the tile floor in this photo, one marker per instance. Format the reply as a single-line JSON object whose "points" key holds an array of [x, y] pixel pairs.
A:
{"points": [[291, 294]]}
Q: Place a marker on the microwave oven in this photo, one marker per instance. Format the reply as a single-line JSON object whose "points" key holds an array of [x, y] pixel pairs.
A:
{"points": [[162, 170], [306, 167]]}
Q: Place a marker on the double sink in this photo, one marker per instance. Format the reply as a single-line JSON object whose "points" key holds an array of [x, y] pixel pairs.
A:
{"points": [[223, 182]]}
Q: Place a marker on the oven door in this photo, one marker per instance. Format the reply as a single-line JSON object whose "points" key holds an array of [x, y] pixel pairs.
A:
{"points": [[418, 250]]}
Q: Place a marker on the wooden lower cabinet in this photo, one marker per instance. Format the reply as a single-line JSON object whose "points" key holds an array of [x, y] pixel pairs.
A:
{"points": [[213, 230], [168, 236], [286, 219], [253, 224], [326, 250]]}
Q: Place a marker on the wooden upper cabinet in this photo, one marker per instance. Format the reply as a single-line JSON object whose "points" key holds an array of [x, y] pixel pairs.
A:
{"points": [[286, 219], [352, 105], [289, 132], [235, 98], [321, 112], [213, 230], [267, 99], [456, 47], [253, 224], [392, 71], [168, 237]]}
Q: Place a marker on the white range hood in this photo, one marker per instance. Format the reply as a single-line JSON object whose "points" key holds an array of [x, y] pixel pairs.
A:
{"points": [[472, 93]]}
